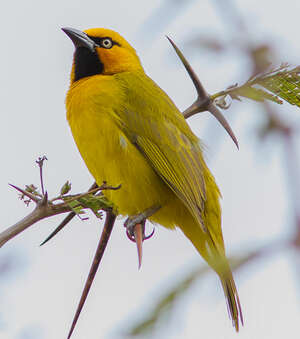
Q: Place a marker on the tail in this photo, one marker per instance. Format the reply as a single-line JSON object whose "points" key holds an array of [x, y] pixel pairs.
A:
{"points": [[211, 247], [232, 300]]}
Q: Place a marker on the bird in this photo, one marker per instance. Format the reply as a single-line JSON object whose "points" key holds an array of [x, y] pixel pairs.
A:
{"points": [[130, 133]]}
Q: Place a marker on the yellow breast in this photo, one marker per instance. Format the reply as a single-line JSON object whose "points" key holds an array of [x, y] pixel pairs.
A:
{"points": [[107, 152]]}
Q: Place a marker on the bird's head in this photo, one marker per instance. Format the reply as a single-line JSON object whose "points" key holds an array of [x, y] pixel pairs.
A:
{"points": [[101, 51]]}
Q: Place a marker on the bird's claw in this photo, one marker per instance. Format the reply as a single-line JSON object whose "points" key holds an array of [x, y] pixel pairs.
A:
{"points": [[146, 237], [130, 233], [136, 233], [135, 229]]}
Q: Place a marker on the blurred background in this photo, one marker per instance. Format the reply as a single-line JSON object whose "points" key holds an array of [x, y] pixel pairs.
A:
{"points": [[40, 286]]}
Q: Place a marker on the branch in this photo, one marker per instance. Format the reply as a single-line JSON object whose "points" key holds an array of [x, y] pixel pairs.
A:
{"points": [[42, 210], [77, 204]]}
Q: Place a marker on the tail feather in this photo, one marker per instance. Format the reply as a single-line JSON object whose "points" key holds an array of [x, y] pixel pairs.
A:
{"points": [[232, 300], [211, 247]]}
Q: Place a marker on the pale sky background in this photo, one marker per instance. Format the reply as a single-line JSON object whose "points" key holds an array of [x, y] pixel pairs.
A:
{"points": [[38, 298]]}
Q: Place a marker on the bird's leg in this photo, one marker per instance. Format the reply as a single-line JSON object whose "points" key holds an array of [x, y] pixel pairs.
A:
{"points": [[135, 229]]}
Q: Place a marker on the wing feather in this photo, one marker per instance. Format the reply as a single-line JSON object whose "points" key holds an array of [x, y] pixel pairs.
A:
{"points": [[160, 132]]}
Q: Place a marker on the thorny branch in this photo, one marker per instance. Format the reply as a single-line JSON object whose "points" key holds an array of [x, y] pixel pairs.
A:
{"points": [[46, 208], [203, 101]]}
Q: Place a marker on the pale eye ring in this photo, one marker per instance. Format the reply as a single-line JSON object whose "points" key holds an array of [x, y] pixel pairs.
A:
{"points": [[107, 43]]}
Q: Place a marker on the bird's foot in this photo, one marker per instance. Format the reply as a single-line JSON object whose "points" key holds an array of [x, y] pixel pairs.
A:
{"points": [[135, 229], [130, 231]]}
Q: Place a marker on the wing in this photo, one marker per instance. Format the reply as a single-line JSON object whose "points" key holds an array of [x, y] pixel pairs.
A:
{"points": [[178, 164], [153, 123]]}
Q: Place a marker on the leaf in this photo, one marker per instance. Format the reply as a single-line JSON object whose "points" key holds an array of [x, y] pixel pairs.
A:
{"points": [[76, 206], [276, 83], [96, 203], [285, 84], [255, 94], [66, 188]]}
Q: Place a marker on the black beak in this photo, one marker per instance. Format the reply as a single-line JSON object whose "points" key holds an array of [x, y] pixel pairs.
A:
{"points": [[80, 39]]}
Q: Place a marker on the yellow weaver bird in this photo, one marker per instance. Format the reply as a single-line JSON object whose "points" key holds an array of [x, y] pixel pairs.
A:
{"points": [[129, 132]]}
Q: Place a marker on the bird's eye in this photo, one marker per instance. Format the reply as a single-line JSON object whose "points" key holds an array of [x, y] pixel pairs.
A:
{"points": [[107, 43]]}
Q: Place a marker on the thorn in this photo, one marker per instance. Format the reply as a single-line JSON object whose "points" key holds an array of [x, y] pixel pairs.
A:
{"points": [[135, 229], [203, 102], [67, 219], [28, 194], [108, 226], [197, 83], [220, 117], [138, 237]]}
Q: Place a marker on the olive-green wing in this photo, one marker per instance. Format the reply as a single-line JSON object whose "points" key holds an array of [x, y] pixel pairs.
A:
{"points": [[152, 122], [174, 155], [178, 164]]}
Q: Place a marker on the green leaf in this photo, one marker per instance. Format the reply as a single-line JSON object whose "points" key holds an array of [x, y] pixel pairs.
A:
{"points": [[76, 206], [276, 83], [285, 84], [66, 188], [255, 94]]}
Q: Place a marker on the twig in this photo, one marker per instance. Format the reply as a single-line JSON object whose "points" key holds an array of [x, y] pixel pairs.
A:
{"points": [[40, 162], [44, 209]]}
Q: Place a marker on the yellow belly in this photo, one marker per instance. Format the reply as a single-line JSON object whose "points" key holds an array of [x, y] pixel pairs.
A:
{"points": [[111, 157]]}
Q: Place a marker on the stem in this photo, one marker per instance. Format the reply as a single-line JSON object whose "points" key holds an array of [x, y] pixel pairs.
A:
{"points": [[20, 226], [40, 212]]}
